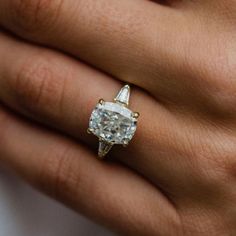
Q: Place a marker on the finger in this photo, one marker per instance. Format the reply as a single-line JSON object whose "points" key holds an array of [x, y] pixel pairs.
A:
{"points": [[67, 171], [135, 45], [50, 87], [59, 92]]}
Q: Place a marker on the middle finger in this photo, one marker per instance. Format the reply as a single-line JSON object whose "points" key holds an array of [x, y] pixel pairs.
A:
{"points": [[132, 40]]}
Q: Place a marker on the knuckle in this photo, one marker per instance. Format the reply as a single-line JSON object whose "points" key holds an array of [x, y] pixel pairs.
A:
{"points": [[36, 86], [221, 89], [59, 175], [213, 79], [29, 83], [34, 15]]}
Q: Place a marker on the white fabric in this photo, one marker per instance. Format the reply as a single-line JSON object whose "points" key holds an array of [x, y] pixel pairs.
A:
{"points": [[25, 212]]}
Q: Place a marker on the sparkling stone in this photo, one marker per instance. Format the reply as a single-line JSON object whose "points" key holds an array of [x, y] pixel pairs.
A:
{"points": [[113, 123], [123, 95], [104, 148]]}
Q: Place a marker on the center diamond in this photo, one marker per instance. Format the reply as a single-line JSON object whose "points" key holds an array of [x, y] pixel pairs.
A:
{"points": [[113, 123]]}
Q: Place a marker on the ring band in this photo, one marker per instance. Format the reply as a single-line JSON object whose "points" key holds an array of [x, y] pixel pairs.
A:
{"points": [[113, 123]]}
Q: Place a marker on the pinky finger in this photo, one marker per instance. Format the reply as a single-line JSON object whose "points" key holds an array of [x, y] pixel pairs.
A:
{"points": [[107, 193]]}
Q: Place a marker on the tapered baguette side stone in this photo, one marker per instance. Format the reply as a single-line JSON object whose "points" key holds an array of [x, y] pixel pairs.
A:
{"points": [[103, 148], [123, 96]]}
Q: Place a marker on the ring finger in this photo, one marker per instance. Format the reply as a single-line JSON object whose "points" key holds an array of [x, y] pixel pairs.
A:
{"points": [[61, 92]]}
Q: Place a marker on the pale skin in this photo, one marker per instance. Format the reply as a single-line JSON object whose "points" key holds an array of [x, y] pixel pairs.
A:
{"points": [[59, 57]]}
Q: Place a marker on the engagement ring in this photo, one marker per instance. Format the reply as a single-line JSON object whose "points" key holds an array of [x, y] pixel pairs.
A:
{"points": [[113, 123]]}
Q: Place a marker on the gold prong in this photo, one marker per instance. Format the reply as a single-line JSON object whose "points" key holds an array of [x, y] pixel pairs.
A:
{"points": [[89, 131], [101, 101], [135, 115], [100, 155], [125, 144]]}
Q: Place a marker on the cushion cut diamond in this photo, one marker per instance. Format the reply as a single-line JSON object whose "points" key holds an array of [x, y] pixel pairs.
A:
{"points": [[113, 123]]}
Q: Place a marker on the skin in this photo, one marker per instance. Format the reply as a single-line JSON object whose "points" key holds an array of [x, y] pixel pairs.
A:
{"points": [[178, 175]]}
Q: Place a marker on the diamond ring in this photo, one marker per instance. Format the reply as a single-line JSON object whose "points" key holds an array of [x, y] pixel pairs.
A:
{"points": [[113, 123]]}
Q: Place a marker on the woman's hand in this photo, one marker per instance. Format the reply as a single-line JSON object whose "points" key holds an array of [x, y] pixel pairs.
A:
{"points": [[178, 176]]}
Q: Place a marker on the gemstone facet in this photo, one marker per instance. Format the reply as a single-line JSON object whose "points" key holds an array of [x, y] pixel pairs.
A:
{"points": [[113, 123]]}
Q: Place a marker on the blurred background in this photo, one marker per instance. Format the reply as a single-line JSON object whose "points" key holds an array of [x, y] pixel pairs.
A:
{"points": [[25, 212]]}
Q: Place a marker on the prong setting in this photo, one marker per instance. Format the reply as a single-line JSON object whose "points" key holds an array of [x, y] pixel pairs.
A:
{"points": [[89, 131], [101, 101], [126, 144], [135, 115]]}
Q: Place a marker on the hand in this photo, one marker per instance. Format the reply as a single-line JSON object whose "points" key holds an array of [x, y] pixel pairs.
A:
{"points": [[178, 175]]}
